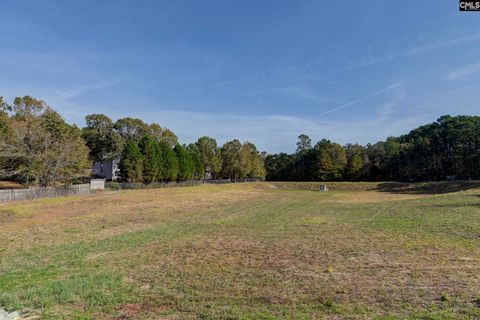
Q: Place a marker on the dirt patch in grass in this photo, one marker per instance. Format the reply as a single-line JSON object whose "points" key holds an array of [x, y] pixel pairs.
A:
{"points": [[135, 310]]}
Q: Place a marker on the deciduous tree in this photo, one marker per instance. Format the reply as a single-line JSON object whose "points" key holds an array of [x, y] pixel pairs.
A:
{"points": [[40, 147], [131, 128], [210, 155], [101, 137]]}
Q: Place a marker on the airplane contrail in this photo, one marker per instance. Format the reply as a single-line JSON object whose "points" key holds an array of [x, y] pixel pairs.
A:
{"points": [[362, 99], [418, 75]]}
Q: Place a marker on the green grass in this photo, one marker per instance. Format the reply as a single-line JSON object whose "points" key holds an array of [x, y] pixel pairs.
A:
{"points": [[247, 251]]}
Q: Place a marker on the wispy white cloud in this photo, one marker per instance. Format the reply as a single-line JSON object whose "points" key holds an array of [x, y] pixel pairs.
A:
{"points": [[421, 48], [74, 90], [303, 93], [276, 132], [464, 72], [385, 112]]}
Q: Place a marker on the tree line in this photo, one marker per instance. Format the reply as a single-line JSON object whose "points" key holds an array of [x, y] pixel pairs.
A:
{"points": [[38, 147], [446, 148]]}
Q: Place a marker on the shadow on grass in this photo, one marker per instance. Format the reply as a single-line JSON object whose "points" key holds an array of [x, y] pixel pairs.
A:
{"points": [[439, 187], [452, 206]]}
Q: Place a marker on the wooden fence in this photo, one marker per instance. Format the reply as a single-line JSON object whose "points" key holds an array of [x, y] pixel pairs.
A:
{"points": [[222, 181], [155, 185], [37, 193], [218, 181]]}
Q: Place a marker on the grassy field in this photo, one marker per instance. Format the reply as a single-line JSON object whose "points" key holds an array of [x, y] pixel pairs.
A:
{"points": [[246, 251]]}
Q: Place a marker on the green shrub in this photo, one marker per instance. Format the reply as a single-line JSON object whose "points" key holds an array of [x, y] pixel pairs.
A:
{"points": [[445, 297], [115, 186]]}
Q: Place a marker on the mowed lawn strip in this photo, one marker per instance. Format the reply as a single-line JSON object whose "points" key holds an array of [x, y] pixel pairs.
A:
{"points": [[247, 251]]}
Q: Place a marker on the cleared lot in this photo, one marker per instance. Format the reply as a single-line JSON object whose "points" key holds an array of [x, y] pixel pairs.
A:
{"points": [[247, 251]]}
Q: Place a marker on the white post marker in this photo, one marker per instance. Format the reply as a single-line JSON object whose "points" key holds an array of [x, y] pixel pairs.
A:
{"points": [[97, 184]]}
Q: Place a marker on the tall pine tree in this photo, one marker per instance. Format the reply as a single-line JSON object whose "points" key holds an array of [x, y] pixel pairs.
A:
{"points": [[170, 162], [150, 159], [131, 164], [186, 167]]}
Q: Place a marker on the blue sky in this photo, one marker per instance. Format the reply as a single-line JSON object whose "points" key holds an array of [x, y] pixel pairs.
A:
{"points": [[263, 71]]}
